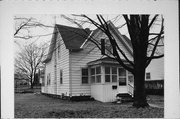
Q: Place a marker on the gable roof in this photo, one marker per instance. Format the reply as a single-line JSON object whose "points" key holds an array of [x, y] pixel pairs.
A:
{"points": [[122, 38], [72, 37], [75, 38]]}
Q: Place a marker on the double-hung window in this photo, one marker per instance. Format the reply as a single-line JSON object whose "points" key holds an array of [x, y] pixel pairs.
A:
{"points": [[114, 74], [122, 76], [84, 73], [148, 75], [107, 75], [110, 74], [98, 74], [61, 76], [48, 79], [92, 75]]}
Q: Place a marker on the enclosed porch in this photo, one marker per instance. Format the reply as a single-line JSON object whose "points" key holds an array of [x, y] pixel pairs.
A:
{"points": [[108, 79]]}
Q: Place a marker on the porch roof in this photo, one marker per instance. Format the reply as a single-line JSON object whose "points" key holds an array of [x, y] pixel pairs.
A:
{"points": [[105, 60]]}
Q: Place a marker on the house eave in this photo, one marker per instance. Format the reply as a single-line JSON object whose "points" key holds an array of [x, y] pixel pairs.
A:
{"points": [[104, 61]]}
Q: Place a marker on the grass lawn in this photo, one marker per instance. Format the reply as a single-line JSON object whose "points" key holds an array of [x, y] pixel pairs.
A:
{"points": [[31, 105]]}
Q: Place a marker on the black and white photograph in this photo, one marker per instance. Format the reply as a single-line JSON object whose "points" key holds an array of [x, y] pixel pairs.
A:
{"points": [[90, 65], [83, 66]]}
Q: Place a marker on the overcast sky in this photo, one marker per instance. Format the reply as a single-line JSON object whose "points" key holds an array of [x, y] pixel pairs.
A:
{"points": [[52, 19], [58, 19]]}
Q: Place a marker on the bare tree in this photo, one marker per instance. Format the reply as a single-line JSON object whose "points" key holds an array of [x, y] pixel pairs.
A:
{"points": [[144, 47], [23, 27], [29, 60]]}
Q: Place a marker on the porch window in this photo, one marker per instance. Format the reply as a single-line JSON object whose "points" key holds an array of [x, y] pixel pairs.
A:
{"points": [[61, 76], [84, 73], [92, 75], [98, 74], [107, 74], [114, 74], [122, 76]]}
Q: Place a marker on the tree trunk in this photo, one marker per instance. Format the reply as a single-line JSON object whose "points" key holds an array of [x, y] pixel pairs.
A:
{"points": [[139, 79], [139, 88], [31, 82]]}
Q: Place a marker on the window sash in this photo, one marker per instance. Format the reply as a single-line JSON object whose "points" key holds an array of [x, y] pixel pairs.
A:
{"points": [[96, 74], [107, 78], [61, 76], [122, 81], [84, 80], [107, 70], [148, 75], [84, 76], [114, 78], [121, 72]]}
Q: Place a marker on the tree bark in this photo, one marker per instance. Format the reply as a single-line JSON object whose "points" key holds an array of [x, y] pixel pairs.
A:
{"points": [[139, 77], [139, 88]]}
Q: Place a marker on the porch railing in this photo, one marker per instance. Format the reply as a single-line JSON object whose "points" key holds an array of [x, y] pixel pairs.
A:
{"points": [[131, 89]]}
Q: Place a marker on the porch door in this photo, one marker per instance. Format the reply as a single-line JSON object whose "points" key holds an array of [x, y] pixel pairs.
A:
{"points": [[122, 80]]}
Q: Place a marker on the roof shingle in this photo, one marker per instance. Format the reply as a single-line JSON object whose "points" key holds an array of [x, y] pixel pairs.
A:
{"points": [[73, 37]]}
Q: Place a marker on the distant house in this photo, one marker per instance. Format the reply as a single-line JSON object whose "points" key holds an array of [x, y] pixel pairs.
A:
{"points": [[75, 67]]}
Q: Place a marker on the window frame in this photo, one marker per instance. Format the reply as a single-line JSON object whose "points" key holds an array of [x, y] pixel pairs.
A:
{"points": [[84, 76], [98, 74], [61, 76], [111, 74], [148, 75], [95, 75], [122, 77], [114, 74]]}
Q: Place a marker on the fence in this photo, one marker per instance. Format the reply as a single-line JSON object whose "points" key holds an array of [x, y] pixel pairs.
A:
{"points": [[154, 87]]}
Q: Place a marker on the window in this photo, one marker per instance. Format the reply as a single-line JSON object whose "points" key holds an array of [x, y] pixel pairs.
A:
{"points": [[107, 74], [96, 75], [84, 73], [61, 76], [110, 74], [122, 76], [130, 77], [148, 75], [92, 75], [114, 74], [108, 47], [48, 79]]}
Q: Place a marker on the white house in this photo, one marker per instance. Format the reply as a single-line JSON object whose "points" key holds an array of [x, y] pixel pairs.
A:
{"points": [[75, 66]]}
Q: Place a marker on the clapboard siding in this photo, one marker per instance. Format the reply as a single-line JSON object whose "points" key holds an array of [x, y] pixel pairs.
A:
{"points": [[156, 69], [78, 61], [59, 60], [49, 70], [62, 64]]}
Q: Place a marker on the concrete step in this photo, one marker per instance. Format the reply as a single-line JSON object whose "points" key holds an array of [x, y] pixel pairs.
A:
{"points": [[124, 97]]}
